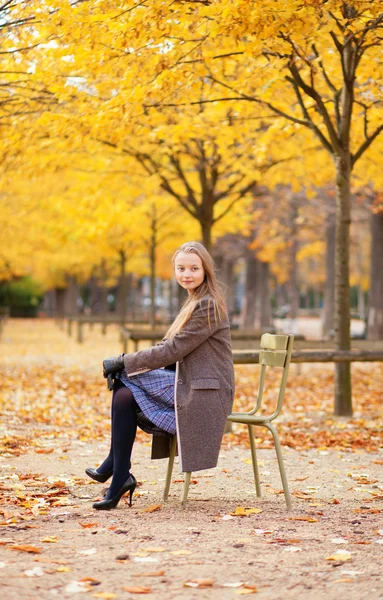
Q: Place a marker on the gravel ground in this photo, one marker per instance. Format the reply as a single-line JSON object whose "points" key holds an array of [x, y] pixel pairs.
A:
{"points": [[330, 544]]}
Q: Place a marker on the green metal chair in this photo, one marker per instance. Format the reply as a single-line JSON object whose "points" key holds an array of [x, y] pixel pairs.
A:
{"points": [[275, 352], [173, 451]]}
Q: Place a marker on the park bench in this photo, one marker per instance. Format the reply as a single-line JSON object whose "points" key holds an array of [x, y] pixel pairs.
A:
{"points": [[81, 320], [155, 335]]}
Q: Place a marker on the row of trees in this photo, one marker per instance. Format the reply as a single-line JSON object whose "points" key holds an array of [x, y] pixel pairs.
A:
{"points": [[113, 107]]}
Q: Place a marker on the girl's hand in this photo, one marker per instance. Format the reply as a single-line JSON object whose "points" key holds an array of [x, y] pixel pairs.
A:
{"points": [[113, 364]]}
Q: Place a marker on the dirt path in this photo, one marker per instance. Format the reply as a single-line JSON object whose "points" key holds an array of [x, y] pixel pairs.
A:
{"points": [[285, 555], [329, 545]]}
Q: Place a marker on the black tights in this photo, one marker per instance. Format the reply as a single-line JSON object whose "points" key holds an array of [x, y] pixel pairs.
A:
{"points": [[124, 427]]}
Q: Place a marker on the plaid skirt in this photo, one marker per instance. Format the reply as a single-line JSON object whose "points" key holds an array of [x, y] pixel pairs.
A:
{"points": [[153, 392]]}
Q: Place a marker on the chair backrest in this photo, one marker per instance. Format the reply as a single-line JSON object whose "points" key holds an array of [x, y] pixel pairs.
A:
{"points": [[275, 352]]}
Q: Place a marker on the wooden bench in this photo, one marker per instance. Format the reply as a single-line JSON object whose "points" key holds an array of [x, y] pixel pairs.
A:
{"points": [[81, 320], [156, 335]]}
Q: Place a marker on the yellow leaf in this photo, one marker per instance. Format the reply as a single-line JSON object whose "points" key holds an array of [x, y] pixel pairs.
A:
{"points": [[342, 555], [50, 540], [241, 511]]}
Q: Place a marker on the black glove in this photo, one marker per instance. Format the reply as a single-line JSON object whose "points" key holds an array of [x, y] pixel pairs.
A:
{"points": [[113, 365], [110, 381]]}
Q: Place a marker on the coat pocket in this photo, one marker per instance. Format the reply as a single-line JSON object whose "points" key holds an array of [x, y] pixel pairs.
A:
{"points": [[210, 383]]}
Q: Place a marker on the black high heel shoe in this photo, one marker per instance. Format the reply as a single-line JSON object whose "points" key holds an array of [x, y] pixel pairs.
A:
{"points": [[100, 477], [107, 504]]}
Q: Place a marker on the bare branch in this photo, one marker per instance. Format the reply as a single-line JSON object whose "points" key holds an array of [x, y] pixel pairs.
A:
{"points": [[174, 160], [366, 145], [312, 93], [241, 194], [310, 123]]}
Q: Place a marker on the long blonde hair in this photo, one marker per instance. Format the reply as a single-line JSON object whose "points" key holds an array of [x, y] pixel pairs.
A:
{"points": [[209, 287]]}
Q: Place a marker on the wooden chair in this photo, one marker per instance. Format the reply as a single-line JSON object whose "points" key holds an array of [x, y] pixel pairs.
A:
{"points": [[275, 352]]}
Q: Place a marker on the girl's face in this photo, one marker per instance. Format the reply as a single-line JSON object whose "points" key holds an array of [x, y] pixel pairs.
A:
{"points": [[189, 270]]}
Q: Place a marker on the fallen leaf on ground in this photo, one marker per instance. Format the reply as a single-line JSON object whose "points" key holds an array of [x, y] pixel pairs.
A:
{"points": [[150, 574], [35, 572], [88, 552], [199, 583], [303, 495], [137, 590], [341, 555], [45, 559], [308, 519], [150, 509], [284, 541], [241, 511], [26, 548], [105, 595], [76, 587], [50, 539], [87, 525], [247, 589]]}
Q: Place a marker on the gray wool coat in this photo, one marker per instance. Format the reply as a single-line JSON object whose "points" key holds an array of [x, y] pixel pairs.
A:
{"points": [[204, 386]]}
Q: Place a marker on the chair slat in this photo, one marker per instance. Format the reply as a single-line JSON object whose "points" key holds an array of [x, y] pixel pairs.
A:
{"points": [[272, 358], [274, 342]]}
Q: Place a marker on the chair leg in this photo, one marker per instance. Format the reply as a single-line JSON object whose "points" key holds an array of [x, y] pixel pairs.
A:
{"points": [[186, 488], [173, 449], [282, 471], [254, 460]]}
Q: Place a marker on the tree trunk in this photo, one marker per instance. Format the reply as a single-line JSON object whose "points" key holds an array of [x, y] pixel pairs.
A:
{"points": [[293, 279], [104, 308], [206, 227], [94, 296], [361, 303], [122, 292], [329, 290], [153, 282], [343, 399], [265, 316], [375, 310], [250, 291], [227, 279], [60, 302], [71, 297]]}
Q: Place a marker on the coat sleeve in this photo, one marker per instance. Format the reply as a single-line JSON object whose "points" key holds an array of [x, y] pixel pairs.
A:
{"points": [[198, 329]]}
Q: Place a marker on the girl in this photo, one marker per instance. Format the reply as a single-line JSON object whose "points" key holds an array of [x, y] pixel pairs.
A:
{"points": [[184, 385]]}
